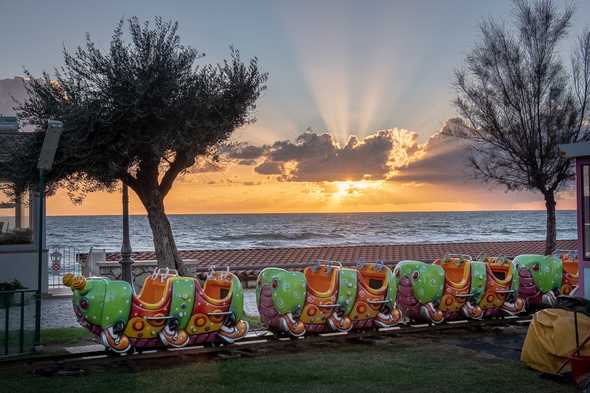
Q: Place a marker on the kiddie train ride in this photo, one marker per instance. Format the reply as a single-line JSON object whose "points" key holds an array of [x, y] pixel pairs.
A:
{"points": [[174, 311], [169, 310]]}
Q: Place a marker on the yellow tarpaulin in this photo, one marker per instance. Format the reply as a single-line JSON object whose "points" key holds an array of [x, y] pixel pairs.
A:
{"points": [[551, 339]]}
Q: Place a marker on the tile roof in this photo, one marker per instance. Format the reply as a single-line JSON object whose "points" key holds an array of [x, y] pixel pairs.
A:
{"points": [[250, 261]]}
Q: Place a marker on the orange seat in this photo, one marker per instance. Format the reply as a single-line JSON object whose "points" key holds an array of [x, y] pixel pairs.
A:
{"points": [[571, 266], [322, 280], [457, 272], [501, 272], [155, 292], [218, 287], [373, 280]]}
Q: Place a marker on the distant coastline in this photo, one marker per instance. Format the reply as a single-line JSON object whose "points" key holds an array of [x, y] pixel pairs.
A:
{"points": [[313, 213]]}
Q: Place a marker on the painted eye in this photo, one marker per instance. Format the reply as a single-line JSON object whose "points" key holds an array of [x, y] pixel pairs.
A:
{"points": [[275, 283], [83, 304], [536, 267], [397, 273], [415, 275]]}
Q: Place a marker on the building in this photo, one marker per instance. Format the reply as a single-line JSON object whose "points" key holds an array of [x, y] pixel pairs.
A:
{"points": [[581, 152], [19, 218]]}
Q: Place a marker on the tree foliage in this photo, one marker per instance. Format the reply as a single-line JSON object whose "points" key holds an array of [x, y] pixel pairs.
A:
{"points": [[141, 113], [522, 102]]}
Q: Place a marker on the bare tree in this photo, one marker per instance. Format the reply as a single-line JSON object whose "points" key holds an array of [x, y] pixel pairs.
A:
{"points": [[521, 102]]}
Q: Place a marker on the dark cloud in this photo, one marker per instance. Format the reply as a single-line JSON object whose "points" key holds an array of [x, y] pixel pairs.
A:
{"points": [[317, 157], [269, 168], [444, 158], [247, 162], [246, 152], [206, 165], [385, 155]]}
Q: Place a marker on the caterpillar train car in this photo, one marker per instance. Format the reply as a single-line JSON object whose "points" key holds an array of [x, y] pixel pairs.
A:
{"points": [[170, 310], [328, 297]]}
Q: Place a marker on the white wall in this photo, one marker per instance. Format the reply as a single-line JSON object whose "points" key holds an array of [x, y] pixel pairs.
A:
{"points": [[20, 262]]}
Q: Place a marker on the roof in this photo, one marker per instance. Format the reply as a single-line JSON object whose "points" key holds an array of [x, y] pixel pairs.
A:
{"points": [[249, 261], [573, 150]]}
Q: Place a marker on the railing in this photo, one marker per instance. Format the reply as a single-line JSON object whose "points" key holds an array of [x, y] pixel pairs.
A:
{"points": [[17, 321], [62, 260]]}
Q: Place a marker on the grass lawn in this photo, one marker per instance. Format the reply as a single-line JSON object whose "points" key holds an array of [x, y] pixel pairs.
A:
{"points": [[404, 365], [65, 336]]}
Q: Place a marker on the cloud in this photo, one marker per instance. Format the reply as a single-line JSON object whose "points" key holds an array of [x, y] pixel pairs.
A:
{"points": [[444, 158], [246, 152], [269, 168], [318, 157], [204, 165], [392, 154], [247, 162]]}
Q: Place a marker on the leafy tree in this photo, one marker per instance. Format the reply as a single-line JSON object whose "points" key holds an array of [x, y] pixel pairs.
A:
{"points": [[140, 113], [521, 102]]}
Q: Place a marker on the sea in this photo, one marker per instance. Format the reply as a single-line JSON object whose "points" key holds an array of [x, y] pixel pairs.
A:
{"points": [[235, 231]]}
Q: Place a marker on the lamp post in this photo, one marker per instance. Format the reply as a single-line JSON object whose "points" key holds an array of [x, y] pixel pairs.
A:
{"points": [[126, 260], [44, 165]]}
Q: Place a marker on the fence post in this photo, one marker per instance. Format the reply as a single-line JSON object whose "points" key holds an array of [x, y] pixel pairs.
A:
{"points": [[6, 324]]}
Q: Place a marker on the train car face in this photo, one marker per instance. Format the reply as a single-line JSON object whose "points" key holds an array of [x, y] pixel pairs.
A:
{"points": [[99, 302], [288, 289], [280, 297], [425, 280], [546, 270], [87, 298]]}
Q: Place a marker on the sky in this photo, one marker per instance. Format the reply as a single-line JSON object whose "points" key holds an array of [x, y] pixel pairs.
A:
{"points": [[372, 80]]}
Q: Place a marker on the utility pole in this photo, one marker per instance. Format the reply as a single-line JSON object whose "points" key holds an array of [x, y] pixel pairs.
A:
{"points": [[126, 261]]}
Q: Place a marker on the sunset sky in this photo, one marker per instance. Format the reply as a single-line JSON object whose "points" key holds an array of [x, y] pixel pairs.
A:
{"points": [[369, 81]]}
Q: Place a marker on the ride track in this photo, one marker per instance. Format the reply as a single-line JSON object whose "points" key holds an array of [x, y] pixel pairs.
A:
{"points": [[257, 343]]}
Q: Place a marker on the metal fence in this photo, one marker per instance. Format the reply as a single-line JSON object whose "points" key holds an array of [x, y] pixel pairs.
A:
{"points": [[62, 260], [17, 321]]}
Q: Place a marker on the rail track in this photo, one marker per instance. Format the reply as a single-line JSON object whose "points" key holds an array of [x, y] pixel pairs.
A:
{"points": [[256, 343]]}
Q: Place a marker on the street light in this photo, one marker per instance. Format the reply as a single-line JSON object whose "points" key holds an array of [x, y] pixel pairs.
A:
{"points": [[126, 260], [44, 165]]}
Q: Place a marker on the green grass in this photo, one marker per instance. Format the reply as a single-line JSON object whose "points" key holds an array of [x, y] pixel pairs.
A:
{"points": [[405, 366], [65, 336], [253, 321]]}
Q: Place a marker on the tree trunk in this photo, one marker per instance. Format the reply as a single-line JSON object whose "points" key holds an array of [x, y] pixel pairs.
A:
{"points": [[551, 239], [164, 243]]}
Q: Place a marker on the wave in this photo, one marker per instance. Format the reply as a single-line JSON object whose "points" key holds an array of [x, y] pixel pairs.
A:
{"points": [[275, 236]]}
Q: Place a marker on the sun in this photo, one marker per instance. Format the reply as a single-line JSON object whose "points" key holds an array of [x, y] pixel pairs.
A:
{"points": [[350, 189]]}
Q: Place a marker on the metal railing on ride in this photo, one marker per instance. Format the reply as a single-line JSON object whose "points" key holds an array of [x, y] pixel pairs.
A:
{"points": [[17, 321]]}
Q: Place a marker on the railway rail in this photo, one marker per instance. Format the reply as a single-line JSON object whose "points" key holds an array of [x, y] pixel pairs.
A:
{"points": [[257, 342]]}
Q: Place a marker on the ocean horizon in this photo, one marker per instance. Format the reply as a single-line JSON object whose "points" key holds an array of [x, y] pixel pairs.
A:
{"points": [[264, 230]]}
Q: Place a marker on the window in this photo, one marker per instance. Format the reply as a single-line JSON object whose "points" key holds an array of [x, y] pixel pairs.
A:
{"points": [[15, 218]]}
